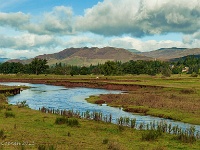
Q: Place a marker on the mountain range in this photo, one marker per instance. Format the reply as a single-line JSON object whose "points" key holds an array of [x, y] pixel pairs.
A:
{"points": [[171, 53], [86, 56]]}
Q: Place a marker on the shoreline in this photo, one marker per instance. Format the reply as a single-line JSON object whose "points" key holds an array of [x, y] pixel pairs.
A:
{"points": [[107, 84]]}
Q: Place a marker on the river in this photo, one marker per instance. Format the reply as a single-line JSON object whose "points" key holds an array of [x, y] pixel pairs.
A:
{"points": [[59, 97]]}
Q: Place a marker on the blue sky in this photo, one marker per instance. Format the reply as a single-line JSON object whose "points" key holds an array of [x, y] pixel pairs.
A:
{"points": [[33, 27]]}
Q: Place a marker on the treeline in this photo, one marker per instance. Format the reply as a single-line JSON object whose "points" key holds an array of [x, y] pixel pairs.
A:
{"points": [[39, 66]]}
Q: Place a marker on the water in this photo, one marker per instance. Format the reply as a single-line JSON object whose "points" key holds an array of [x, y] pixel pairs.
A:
{"points": [[59, 97]]}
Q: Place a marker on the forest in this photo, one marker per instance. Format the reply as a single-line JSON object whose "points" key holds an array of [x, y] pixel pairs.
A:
{"points": [[166, 68]]}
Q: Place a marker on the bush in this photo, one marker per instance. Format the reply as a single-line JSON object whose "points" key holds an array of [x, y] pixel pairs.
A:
{"points": [[8, 108], [1, 133], [73, 122], [41, 147], [9, 114], [151, 135], [194, 74], [105, 141], [69, 121], [61, 120], [22, 104], [185, 138]]}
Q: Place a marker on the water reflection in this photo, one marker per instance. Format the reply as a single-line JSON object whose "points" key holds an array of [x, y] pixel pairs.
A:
{"points": [[59, 97]]}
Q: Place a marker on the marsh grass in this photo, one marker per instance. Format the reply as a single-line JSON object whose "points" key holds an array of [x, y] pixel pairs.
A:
{"points": [[154, 130], [177, 104], [41, 128]]}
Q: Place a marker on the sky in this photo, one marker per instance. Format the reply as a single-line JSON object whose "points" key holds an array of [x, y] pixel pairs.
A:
{"points": [[34, 27]]}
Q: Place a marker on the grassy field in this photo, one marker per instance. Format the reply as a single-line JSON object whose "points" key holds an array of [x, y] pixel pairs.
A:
{"points": [[30, 129], [23, 128]]}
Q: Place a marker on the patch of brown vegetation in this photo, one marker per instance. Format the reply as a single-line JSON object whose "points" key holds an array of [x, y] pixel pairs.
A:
{"points": [[155, 98]]}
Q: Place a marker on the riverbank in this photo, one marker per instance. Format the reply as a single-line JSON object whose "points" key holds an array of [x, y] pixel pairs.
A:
{"points": [[24, 128], [174, 98], [10, 90]]}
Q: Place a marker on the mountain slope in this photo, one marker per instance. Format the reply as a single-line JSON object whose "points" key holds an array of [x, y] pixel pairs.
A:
{"points": [[87, 56], [171, 53]]}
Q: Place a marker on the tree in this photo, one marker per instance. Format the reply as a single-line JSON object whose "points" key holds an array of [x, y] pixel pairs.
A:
{"points": [[109, 68], [166, 72], [38, 66]]}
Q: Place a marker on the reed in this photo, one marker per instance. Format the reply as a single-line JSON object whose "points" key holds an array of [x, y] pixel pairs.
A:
{"points": [[154, 129]]}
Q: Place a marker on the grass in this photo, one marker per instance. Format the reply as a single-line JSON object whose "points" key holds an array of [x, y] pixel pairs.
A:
{"points": [[178, 104], [177, 99], [38, 129]]}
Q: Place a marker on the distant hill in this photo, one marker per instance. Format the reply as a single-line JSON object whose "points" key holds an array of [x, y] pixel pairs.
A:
{"points": [[184, 57], [134, 51], [171, 53], [87, 56]]}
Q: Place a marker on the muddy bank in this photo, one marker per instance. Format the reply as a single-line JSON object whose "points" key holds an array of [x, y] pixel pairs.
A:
{"points": [[84, 83], [13, 91]]}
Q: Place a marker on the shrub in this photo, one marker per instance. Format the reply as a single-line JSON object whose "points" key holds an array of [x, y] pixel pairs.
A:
{"points": [[194, 74], [73, 122], [9, 114], [22, 104], [151, 135], [121, 128], [41, 147], [1, 133], [185, 138], [8, 108], [105, 141], [61, 120], [69, 121]]}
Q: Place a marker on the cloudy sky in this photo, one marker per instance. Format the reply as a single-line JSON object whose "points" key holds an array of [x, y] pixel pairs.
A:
{"points": [[33, 27]]}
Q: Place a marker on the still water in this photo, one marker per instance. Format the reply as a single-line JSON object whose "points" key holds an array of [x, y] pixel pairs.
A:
{"points": [[59, 97]]}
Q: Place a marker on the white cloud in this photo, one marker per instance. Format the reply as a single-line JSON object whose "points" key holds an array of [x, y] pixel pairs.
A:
{"points": [[15, 20], [118, 23], [2, 53], [28, 41], [121, 17], [132, 43], [56, 22]]}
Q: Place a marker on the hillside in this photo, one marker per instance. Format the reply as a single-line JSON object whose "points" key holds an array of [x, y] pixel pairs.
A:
{"points": [[171, 53], [87, 56]]}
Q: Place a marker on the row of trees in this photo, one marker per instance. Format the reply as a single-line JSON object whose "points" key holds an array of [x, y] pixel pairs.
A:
{"points": [[39, 66]]}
